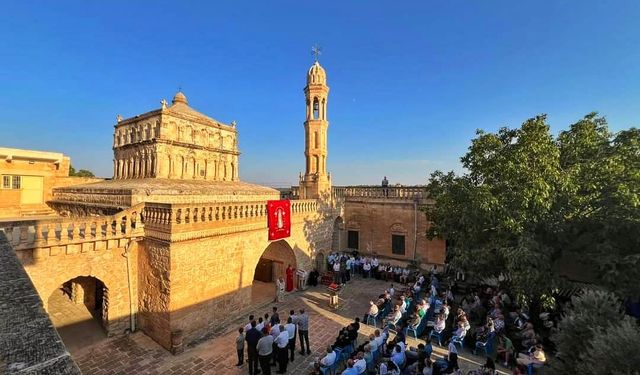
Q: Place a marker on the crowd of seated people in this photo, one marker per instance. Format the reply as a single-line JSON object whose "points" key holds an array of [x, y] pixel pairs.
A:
{"points": [[417, 305]]}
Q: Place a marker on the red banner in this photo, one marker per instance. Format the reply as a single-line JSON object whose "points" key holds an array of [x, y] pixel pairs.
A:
{"points": [[279, 219]]}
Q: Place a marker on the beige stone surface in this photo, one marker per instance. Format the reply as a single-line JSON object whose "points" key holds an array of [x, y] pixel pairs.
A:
{"points": [[175, 142]]}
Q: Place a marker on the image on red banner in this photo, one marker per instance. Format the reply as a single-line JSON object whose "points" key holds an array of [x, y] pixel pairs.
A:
{"points": [[279, 219]]}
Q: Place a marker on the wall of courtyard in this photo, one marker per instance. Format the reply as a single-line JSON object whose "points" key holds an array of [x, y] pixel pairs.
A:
{"points": [[376, 220]]}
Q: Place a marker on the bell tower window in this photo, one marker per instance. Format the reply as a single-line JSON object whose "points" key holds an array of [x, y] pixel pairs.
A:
{"points": [[316, 108]]}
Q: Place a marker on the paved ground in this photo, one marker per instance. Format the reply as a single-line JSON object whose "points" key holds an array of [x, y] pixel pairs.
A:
{"points": [[137, 354], [74, 323]]}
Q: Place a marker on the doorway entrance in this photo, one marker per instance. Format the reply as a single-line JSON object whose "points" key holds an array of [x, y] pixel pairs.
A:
{"points": [[272, 265], [79, 311]]}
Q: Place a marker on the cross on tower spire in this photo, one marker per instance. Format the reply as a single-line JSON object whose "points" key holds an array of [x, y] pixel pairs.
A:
{"points": [[316, 51]]}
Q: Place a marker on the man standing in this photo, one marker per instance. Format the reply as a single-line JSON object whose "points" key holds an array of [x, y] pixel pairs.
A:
{"points": [[291, 330], [240, 346], [253, 336], [336, 272], [282, 341], [303, 331], [265, 348], [279, 289], [385, 186]]}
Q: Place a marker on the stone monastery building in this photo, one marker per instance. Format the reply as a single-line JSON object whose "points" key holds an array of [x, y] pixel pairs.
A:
{"points": [[175, 243]]}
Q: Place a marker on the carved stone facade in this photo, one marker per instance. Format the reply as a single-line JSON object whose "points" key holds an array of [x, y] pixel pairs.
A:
{"points": [[175, 142]]}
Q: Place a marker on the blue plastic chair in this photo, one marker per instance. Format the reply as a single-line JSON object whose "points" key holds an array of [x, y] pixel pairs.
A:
{"points": [[487, 346], [422, 326], [436, 334], [458, 340]]}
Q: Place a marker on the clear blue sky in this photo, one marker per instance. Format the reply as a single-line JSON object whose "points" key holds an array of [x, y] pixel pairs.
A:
{"points": [[410, 81]]}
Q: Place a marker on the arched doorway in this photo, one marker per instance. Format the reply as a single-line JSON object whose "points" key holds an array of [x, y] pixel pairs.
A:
{"points": [[336, 238], [79, 311], [272, 264]]}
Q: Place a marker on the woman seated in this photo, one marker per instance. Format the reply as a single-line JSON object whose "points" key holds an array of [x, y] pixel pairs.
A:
{"points": [[440, 323]]}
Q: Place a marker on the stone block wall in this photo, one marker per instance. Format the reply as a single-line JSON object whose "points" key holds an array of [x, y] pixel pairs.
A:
{"points": [[376, 220]]}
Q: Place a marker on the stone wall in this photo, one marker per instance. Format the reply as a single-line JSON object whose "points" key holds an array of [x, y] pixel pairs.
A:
{"points": [[376, 220], [28, 342]]}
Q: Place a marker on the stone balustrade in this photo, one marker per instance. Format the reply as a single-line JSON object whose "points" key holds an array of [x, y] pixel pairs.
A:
{"points": [[391, 192], [144, 219], [63, 231], [166, 214]]}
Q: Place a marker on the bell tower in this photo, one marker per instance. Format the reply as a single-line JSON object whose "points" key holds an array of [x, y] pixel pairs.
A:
{"points": [[316, 181]]}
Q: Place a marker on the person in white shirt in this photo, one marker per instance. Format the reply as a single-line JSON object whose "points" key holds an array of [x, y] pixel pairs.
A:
{"points": [[360, 364], [336, 272], [452, 358], [405, 276], [248, 326], [260, 324], [282, 341], [373, 311], [373, 343], [398, 356], [403, 304], [290, 327], [391, 290], [440, 324], [366, 270], [328, 359]]}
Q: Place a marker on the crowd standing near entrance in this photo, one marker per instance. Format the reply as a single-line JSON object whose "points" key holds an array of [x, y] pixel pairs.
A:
{"points": [[416, 303]]}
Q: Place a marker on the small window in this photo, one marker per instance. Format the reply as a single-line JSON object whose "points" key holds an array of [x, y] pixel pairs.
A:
{"points": [[6, 182], [352, 239], [397, 244], [15, 182]]}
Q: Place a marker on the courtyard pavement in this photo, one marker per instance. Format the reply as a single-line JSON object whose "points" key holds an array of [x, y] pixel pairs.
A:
{"points": [[138, 354]]}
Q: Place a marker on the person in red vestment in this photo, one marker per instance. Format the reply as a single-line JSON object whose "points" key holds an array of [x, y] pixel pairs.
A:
{"points": [[290, 278]]}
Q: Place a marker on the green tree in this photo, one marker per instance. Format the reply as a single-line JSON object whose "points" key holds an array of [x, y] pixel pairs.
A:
{"points": [[595, 337], [530, 204], [80, 173]]}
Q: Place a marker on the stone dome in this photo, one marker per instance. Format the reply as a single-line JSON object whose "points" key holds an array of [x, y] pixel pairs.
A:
{"points": [[179, 98], [316, 75]]}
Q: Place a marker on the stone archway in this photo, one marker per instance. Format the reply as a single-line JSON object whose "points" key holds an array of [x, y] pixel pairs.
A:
{"points": [[79, 310], [272, 264]]}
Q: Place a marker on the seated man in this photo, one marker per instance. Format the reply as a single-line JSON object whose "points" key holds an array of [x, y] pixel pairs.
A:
{"points": [[404, 277], [360, 364], [329, 358], [373, 311], [350, 370], [397, 356], [414, 320]]}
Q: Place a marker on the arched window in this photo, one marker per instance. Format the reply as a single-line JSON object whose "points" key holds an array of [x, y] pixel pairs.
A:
{"points": [[316, 108]]}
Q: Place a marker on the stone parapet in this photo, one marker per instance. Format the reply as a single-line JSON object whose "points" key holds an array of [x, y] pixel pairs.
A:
{"points": [[29, 344]]}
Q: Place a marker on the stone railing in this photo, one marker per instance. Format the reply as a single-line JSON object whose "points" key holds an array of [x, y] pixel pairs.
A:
{"points": [[64, 231], [391, 192], [157, 220], [158, 215]]}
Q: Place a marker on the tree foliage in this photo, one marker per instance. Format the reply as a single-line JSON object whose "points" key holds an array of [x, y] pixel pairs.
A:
{"points": [[595, 337], [530, 201], [80, 173]]}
